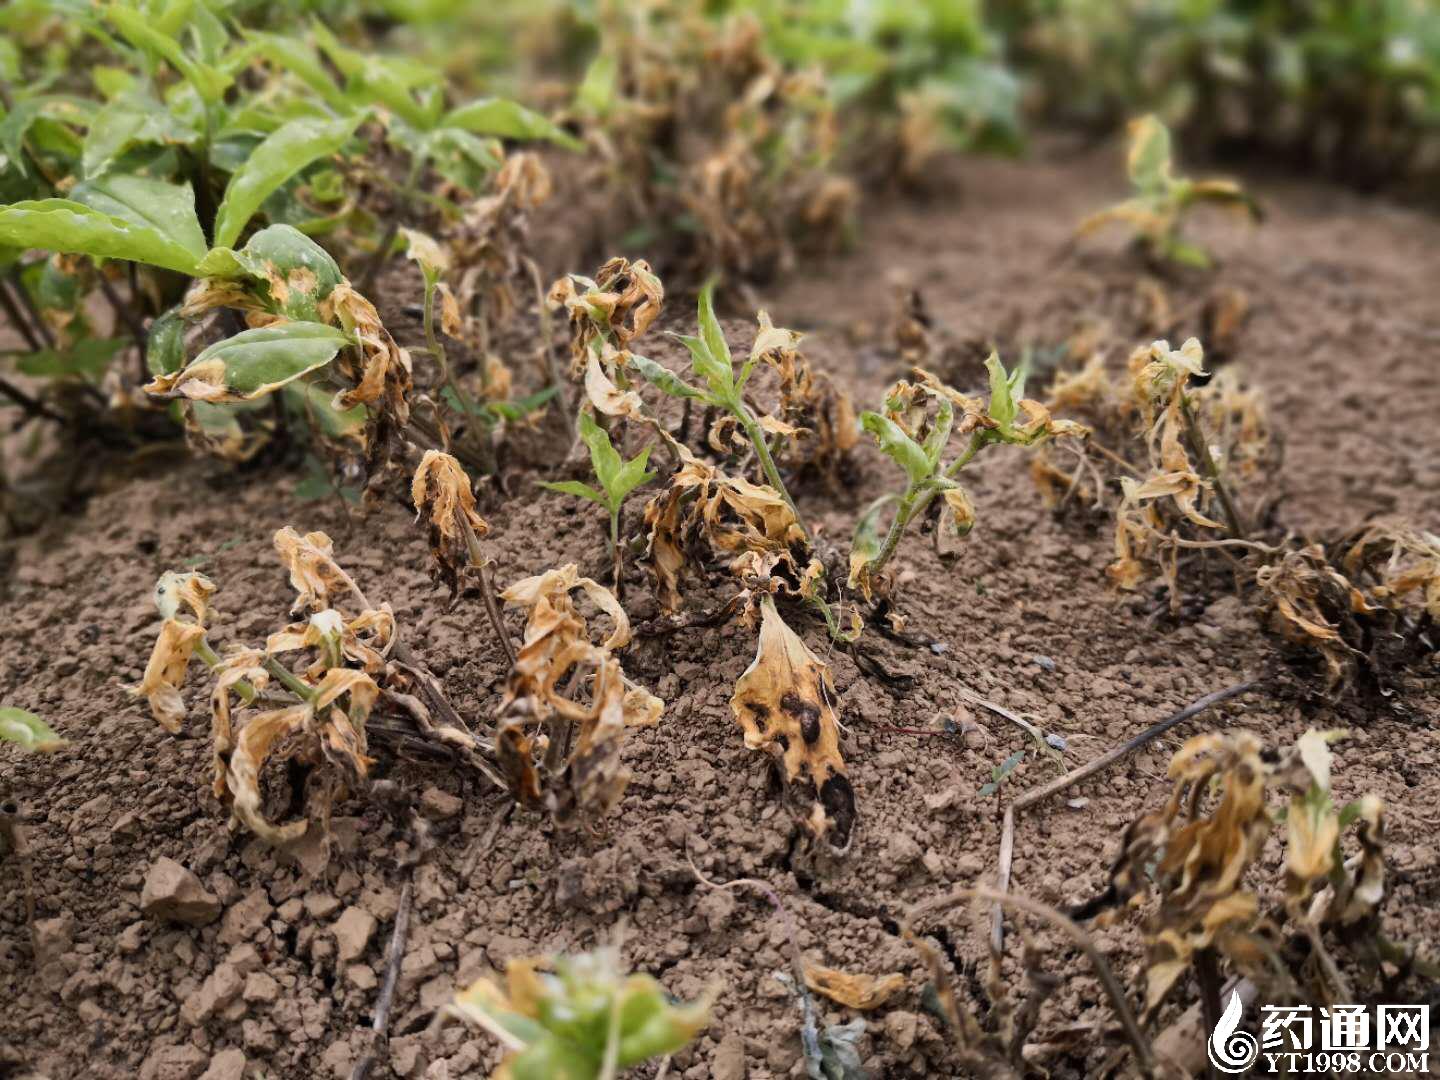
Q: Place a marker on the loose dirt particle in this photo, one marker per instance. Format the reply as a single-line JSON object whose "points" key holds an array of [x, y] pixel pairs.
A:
{"points": [[174, 893], [352, 932]]}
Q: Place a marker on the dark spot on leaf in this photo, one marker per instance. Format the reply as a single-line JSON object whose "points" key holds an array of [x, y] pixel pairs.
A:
{"points": [[807, 713]]}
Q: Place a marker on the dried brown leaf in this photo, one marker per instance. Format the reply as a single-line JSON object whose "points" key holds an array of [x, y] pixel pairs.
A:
{"points": [[785, 702]]}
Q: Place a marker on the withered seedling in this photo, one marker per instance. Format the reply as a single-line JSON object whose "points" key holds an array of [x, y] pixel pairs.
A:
{"points": [[1157, 210], [567, 704], [443, 497], [785, 702], [351, 689], [1172, 504], [586, 1021], [916, 439], [617, 477], [1196, 854]]}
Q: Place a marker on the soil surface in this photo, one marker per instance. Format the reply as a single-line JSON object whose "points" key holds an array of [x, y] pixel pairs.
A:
{"points": [[1343, 335]]}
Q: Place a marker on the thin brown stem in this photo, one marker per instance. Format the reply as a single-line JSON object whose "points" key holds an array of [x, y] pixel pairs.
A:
{"points": [[1074, 776], [32, 405], [28, 303], [487, 590], [1202, 451], [386, 1000], [17, 320]]}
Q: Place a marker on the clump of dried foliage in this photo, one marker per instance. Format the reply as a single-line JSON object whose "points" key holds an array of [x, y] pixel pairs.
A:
{"points": [[1196, 858]]}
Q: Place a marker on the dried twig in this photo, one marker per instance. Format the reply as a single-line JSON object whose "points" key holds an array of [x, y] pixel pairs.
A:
{"points": [[393, 958], [1074, 776], [1138, 1042]]}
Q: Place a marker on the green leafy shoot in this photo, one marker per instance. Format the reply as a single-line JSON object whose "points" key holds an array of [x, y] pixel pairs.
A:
{"points": [[710, 359], [914, 431], [1157, 210], [999, 773], [586, 1021], [618, 478], [27, 730]]}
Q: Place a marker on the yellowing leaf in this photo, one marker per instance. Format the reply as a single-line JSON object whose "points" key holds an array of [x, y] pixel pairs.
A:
{"points": [[861, 992]]}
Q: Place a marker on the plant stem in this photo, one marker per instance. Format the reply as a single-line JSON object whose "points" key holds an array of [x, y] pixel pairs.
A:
{"points": [[207, 654], [615, 546], [31, 405], [1202, 451], [767, 463], [287, 679], [487, 591], [41, 326], [916, 500], [17, 320]]}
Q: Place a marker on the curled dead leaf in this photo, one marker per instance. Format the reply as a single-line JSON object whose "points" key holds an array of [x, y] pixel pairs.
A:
{"points": [[442, 495], [861, 992]]}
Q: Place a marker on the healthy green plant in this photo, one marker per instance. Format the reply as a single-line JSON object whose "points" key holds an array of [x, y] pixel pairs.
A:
{"points": [[618, 478], [587, 1021], [916, 439], [1157, 210]]}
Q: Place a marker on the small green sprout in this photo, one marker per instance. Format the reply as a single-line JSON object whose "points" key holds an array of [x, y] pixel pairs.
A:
{"points": [[1161, 200], [587, 1021], [999, 773], [916, 441], [724, 389], [618, 478], [27, 730]]}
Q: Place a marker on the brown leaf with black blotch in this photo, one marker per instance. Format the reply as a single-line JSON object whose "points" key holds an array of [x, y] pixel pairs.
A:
{"points": [[314, 573], [165, 672], [785, 702]]}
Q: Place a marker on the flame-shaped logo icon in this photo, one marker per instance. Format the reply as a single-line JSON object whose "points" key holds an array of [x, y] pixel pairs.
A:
{"points": [[1232, 1051]]}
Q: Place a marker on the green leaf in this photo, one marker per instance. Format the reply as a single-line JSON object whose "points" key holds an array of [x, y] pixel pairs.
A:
{"points": [[90, 357], [939, 434], [277, 251], [116, 127], [1003, 407], [317, 405], [508, 120], [597, 90], [603, 456], [1006, 767], [166, 209], [165, 343], [72, 227], [258, 362], [898, 446], [710, 330], [209, 82], [28, 730], [866, 540], [507, 410], [283, 154], [300, 60], [576, 487], [1149, 157], [661, 377]]}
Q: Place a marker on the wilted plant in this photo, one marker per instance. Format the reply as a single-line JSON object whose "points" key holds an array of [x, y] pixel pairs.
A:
{"points": [[1197, 851], [916, 439], [442, 496], [586, 1021], [617, 477], [568, 704], [1156, 212], [353, 688]]}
